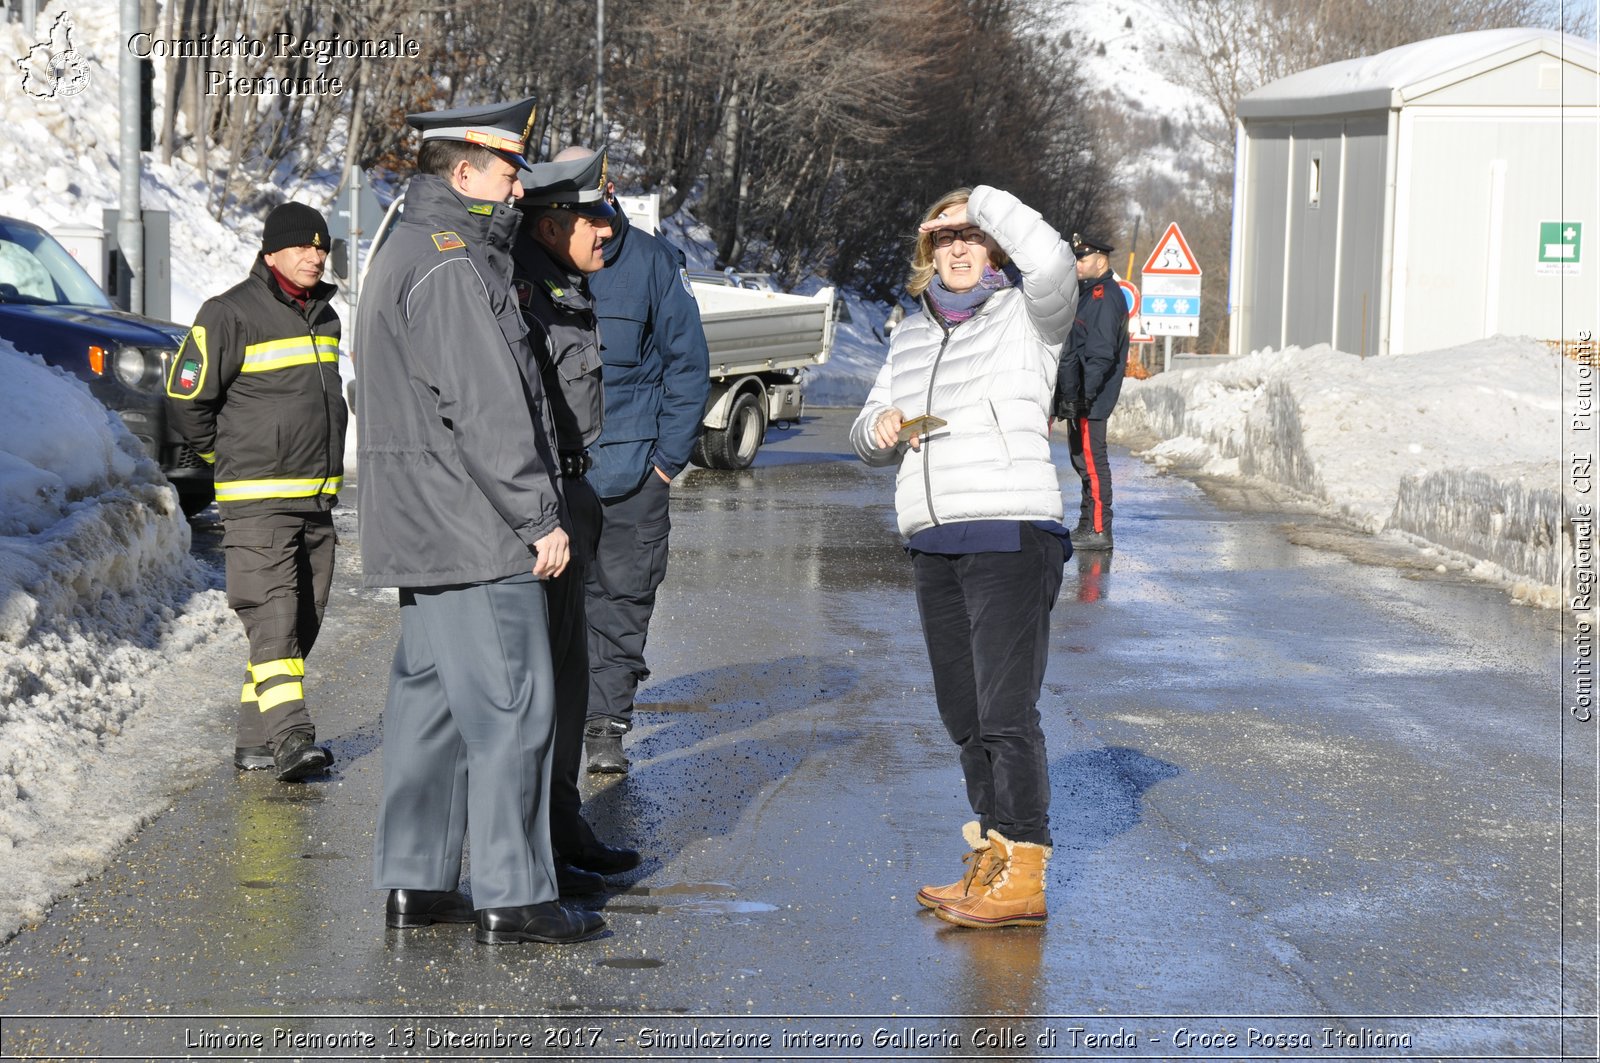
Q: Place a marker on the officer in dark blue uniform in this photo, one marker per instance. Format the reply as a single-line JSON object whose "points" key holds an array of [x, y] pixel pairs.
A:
{"points": [[566, 217], [1088, 382], [657, 378]]}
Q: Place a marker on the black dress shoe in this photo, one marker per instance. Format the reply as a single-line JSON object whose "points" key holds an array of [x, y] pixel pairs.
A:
{"points": [[409, 908], [605, 754], [252, 758], [550, 922], [576, 882], [298, 756], [604, 859], [1093, 540]]}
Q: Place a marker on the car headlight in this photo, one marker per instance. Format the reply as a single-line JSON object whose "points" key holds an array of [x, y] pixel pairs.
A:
{"points": [[138, 367]]}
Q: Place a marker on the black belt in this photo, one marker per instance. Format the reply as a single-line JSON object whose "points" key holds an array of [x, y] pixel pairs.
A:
{"points": [[575, 463]]}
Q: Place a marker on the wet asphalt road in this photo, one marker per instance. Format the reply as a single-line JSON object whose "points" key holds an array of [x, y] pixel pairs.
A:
{"points": [[1308, 802]]}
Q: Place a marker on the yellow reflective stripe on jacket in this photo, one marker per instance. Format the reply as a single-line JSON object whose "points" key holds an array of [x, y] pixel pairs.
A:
{"points": [[209, 457], [253, 490], [282, 354], [248, 694], [282, 694], [295, 666]]}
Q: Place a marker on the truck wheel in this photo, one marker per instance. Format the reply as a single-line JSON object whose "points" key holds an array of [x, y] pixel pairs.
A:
{"points": [[735, 446]]}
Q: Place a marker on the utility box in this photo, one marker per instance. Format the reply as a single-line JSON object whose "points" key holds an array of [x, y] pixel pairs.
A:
{"points": [[157, 264], [86, 243]]}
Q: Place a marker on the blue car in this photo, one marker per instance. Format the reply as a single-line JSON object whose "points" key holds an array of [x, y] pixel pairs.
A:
{"points": [[49, 306]]}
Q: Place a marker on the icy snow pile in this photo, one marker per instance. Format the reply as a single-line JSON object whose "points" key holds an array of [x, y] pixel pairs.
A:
{"points": [[94, 569], [1459, 447]]}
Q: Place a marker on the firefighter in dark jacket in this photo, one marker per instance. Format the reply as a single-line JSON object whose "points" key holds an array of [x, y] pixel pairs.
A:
{"points": [[657, 378], [255, 390], [1088, 382], [566, 218], [460, 511]]}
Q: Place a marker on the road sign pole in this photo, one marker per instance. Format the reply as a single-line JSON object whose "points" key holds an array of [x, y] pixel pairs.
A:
{"points": [[1166, 361]]}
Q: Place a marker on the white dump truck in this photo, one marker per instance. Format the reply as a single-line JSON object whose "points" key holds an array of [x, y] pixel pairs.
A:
{"points": [[760, 339]]}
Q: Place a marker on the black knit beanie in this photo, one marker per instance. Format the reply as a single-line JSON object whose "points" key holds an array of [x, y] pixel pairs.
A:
{"points": [[293, 225]]}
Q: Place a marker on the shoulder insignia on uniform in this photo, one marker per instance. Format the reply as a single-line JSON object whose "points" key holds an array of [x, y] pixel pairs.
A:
{"points": [[448, 241], [1099, 291], [189, 370], [524, 292], [683, 274]]}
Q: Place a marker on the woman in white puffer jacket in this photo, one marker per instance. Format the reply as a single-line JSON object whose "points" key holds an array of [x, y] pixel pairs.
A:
{"points": [[979, 501]]}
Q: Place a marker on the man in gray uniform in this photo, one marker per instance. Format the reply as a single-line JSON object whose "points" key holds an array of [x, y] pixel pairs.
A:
{"points": [[566, 219], [459, 510]]}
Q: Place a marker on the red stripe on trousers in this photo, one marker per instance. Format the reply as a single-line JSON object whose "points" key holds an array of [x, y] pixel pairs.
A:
{"points": [[1094, 477]]}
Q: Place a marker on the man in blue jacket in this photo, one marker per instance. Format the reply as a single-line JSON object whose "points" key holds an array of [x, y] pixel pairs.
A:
{"points": [[657, 376]]}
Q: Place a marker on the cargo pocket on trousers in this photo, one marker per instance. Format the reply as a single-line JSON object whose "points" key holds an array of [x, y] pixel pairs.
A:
{"points": [[653, 532], [248, 557]]}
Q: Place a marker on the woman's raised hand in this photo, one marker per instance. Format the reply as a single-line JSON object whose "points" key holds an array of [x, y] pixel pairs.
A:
{"points": [[954, 217]]}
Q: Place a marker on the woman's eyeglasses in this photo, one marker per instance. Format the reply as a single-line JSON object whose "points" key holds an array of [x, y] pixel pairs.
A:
{"points": [[946, 237]]}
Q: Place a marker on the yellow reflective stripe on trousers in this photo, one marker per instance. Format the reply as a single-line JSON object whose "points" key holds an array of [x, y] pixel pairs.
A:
{"points": [[251, 490], [248, 694], [282, 694], [283, 354], [295, 666]]}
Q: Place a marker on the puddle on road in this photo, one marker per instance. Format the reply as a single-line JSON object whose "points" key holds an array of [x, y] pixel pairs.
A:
{"points": [[697, 898], [671, 706], [298, 795], [633, 963], [682, 887]]}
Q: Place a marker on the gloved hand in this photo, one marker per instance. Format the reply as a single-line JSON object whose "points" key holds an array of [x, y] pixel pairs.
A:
{"points": [[1067, 409]]}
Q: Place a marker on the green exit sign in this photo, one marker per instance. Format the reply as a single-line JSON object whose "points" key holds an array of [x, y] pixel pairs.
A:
{"points": [[1560, 246]]}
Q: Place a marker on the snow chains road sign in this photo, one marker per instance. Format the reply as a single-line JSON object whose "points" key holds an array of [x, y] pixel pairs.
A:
{"points": [[1170, 300], [1560, 247]]}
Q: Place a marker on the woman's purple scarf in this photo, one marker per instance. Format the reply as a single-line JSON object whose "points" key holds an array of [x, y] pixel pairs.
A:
{"points": [[955, 307]]}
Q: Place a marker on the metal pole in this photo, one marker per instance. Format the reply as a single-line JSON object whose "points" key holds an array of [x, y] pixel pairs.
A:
{"points": [[30, 15], [599, 74], [130, 220], [1166, 361], [353, 164]]}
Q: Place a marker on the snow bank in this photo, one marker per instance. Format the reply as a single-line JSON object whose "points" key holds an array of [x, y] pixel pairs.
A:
{"points": [[859, 348], [1460, 447], [94, 574]]}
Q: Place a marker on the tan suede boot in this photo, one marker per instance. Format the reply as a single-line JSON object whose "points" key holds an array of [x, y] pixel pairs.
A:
{"points": [[976, 861], [1010, 892]]}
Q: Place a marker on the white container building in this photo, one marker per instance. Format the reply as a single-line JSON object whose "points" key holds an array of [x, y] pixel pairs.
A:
{"points": [[1427, 196]]}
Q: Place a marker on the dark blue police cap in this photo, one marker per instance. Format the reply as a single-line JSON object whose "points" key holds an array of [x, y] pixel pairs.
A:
{"points": [[1083, 245], [503, 128], [578, 185]]}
